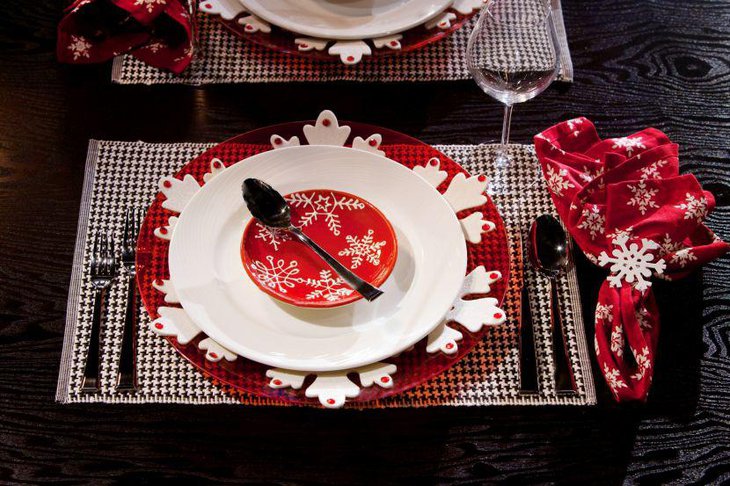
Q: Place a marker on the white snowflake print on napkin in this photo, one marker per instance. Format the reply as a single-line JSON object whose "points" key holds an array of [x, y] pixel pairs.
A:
{"points": [[557, 180], [593, 221], [651, 171], [628, 143], [633, 264], [612, 378], [694, 208], [683, 257], [150, 4], [79, 47], [617, 341], [604, 312], [362, 249], [642, 317], [642, 197], [323, 206], [643, 362]]}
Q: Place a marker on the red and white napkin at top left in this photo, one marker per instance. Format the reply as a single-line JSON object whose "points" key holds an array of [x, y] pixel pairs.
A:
{"points": [[630, 210], [157, 32]]}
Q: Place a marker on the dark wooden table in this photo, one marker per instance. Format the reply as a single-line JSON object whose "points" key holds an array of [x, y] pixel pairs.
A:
{"points": [[638, 63]]}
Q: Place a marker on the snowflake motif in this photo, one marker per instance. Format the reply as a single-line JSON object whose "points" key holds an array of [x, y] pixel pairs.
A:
{"points": [[363, 249], [557, 182], [327, 207], [150, 4], [154, 47], [642, 317], [604, 312], [628, 232], [277, 275], [272, 236], [593, 221], [643, 361], [617, 341], [574, 123], [652, 171], [643, 197], [612, 378], [632, 264], [328, 287], [588, 175], [694, 208], [79, 46], [186, 54], [683, 257], [628, 143], [595, 346], [668, 245]]}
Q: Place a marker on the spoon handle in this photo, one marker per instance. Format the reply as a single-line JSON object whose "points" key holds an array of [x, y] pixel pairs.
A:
{"points": [[362, 287]]}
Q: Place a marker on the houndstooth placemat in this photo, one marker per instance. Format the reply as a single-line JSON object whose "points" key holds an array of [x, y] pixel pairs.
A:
{"points": [[225, 58], [121, 174]]}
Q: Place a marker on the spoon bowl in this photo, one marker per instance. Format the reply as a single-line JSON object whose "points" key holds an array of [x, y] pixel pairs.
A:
{"points": [[549, 246], [266, 204]]}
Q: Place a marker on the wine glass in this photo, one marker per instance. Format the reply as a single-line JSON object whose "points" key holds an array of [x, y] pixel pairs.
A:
{"points": [[512, 55]]}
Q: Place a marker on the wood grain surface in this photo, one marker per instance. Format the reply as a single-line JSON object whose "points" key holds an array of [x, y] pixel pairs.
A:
{"points": [[637, 63]]}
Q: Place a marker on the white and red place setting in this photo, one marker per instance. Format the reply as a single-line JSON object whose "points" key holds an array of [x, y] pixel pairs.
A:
{"points": [[245, 326]]}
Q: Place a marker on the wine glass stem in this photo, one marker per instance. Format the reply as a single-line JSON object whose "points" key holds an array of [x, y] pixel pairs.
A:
{"points": [[505, 126]]}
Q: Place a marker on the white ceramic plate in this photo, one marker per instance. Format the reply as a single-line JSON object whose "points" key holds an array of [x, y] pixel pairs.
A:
{"points": [[346, 19], [218, 295]]}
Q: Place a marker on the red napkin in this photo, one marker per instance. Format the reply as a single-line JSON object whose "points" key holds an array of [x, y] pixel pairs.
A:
{"points": [[158, 32], [628, 208]]}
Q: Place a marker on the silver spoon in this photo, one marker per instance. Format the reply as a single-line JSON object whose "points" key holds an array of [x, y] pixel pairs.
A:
{"points": [[550, 255], [272, 210]]}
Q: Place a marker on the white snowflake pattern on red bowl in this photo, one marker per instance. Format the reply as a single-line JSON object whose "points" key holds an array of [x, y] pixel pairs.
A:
{"points": [[348, 227]]}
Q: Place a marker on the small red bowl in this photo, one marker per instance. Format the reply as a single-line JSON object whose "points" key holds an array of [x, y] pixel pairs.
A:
{"points": [[351, 229]]}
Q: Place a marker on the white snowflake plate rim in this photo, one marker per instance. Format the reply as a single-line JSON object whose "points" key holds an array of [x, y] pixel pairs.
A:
{"points": [[312, 18], [217, 294], [351, 50], [472, 310]]}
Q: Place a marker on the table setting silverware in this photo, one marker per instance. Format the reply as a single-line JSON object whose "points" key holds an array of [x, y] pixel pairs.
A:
{"points": [[271, 209], [103, 268], [127, 374], [549, 254], [529, 378]]}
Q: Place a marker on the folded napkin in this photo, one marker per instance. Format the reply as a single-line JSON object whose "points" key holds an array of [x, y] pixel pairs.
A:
{"points": [[628, 208], [157, 32]]}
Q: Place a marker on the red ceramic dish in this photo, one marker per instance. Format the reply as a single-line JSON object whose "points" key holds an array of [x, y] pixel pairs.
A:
{"points": [[351, 229]]}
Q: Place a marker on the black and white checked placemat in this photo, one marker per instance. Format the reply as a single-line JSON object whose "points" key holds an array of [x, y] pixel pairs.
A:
{"points": [[120, 174], [225, 58]]}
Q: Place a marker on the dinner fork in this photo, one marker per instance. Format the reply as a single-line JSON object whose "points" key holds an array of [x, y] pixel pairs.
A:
{"points": [[103, 272], [127, 376]]}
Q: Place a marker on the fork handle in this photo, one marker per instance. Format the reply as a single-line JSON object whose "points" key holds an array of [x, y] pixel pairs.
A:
{"points": [[91, 371], [127, 378]]}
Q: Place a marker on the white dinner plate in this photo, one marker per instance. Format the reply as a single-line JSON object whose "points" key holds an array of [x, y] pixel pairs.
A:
{"points": [[217, 294], [346, 19]]}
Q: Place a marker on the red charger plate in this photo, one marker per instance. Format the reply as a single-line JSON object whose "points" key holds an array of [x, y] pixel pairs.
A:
{"points": [[246, 379]]}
